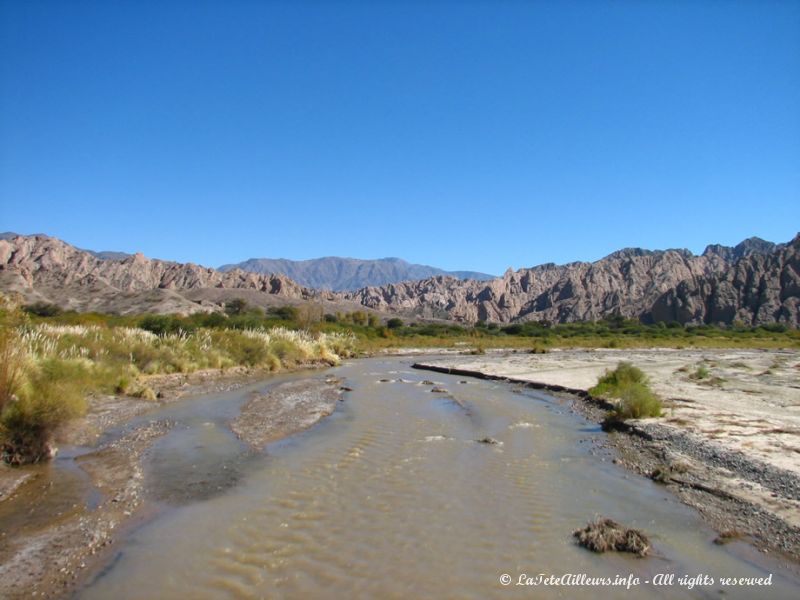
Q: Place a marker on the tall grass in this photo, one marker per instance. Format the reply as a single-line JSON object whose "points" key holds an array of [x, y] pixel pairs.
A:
{"points": [[46, 370]]}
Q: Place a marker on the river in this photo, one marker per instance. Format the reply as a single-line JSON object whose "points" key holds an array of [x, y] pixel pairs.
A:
{"points": [[393, 497]]}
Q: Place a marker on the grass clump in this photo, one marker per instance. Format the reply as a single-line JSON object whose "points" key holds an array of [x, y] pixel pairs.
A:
{"points": [[604, 535], [51, 394], [727, 536], [628, 385]]}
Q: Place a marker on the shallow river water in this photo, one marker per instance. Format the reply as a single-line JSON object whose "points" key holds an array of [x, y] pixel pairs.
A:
{"points": [[393, 497]]}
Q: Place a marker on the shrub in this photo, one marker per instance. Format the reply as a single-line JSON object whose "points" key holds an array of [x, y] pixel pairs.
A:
{"points": [[43, 309], [237, 306], [394, 323], [160, 324], [612, 381], [637, 401], [628, 384], [247, 351], [52, 395], [285, 313]]}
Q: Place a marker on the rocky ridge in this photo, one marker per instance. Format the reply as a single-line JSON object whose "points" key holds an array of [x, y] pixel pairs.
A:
{"points": [[46, 269], [756, 283]]}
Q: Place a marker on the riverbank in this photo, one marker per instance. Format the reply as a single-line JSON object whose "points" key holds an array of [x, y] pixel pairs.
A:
{"points": [[61, 521], [728, 444]]}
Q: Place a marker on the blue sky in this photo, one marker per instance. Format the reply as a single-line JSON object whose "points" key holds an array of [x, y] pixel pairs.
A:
{"points": [[467, 135]]}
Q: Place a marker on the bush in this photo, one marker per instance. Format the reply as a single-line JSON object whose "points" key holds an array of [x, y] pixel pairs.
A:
{"points": [[394, 323], [612, 381], [160, 324], [637, 401], [284, 313], [247, 351], [52, 395], [628, 384], [43, 309], [237, 306]]}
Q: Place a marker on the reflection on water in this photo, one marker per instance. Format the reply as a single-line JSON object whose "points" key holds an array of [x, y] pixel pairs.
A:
{"points": [[392, 497]]}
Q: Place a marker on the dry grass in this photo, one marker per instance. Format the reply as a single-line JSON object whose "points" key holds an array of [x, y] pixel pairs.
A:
{"points": [[604, 535], [47, 370], [728, 536]]}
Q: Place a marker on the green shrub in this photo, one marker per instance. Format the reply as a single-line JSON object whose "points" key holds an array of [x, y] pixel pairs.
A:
{"points": [[612, 381], [285, 313], [637, 401], [160, 324], [237, 306], [629, 386], [43, 309], [247, 351], [52, 395]]}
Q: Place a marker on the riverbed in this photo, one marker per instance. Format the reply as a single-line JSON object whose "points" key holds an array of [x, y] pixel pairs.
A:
{"points": [[395, 495]]}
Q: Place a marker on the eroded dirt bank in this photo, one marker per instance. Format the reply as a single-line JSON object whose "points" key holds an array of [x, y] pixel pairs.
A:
{"points": [[728, 443], [59, 522]]}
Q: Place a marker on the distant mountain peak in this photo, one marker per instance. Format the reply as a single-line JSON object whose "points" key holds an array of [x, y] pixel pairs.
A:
{"points": [[342, 274]]}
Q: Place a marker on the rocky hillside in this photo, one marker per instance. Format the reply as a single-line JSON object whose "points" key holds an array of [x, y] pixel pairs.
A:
{"points": [[340, 274], [756, 283], [103, 254], [46, 269]]}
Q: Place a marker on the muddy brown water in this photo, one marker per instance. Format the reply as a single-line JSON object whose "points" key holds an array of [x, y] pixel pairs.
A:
{"points": [[392, 497]]}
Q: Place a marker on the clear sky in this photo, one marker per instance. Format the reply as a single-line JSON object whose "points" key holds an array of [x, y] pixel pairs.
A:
{"points": [[466, 135]]}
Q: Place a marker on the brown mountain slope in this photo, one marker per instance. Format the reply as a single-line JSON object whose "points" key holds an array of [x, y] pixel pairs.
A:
{"points": [[756, 283], [46, 269]]}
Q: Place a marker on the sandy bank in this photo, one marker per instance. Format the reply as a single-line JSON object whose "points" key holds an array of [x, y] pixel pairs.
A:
{"points": [[286, 409]]}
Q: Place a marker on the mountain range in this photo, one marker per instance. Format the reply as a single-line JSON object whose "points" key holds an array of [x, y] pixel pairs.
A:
{"points": [[755, 282], [327, 273], [340, 274]]}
